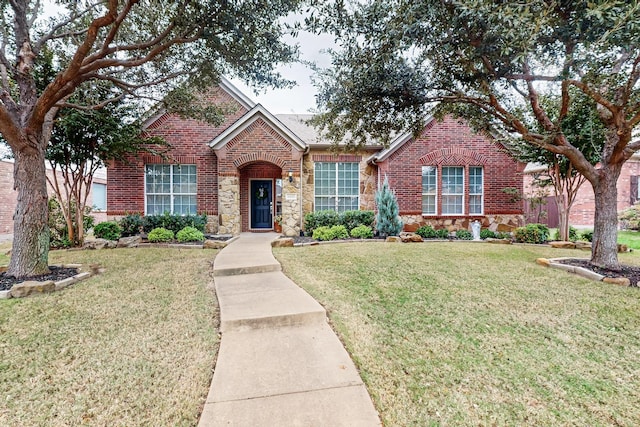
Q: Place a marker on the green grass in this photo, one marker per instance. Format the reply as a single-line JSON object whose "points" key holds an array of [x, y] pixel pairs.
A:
{"points": [[133, 346], [477, 334], [629, 238]]}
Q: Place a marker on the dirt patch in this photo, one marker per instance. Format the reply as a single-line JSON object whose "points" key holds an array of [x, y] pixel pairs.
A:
{"points": [[57, 274], [630, 272]]}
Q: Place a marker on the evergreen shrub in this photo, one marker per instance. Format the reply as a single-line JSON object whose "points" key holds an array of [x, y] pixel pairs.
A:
{"points": [[388, 222], [532, 233], [190, 234], [362, 232], [160, 234], [109, 230]]}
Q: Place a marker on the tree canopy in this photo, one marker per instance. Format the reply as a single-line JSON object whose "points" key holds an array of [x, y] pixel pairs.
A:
{"points": [[143, 48], [491, 62]]}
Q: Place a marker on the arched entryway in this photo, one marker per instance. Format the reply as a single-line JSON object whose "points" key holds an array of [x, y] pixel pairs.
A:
{"points": [[260, 195]]}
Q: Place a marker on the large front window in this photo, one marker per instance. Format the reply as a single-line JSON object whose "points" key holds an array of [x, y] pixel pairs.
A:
{"points": [[476, 192], [170, 188], [337, 186], [429, 190], [452, 190]]}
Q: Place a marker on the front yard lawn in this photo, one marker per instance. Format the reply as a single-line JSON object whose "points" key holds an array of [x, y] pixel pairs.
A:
{"points": [[477, 334], [130, 347]]}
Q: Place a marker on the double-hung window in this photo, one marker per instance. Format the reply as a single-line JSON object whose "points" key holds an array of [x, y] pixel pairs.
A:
{"points": [[429, 190], [476, 193], [337, 186], [170, 188], [452, 190]]}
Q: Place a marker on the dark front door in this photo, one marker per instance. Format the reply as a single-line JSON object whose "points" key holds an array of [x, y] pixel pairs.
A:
{"points": [[261, 204]]}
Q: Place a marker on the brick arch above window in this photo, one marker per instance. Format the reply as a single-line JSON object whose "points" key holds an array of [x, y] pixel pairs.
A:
{"points": [[453, 156], [259, 157]]}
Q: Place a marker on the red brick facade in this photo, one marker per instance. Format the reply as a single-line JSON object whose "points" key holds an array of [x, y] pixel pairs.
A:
{"points": [[451, 143]]}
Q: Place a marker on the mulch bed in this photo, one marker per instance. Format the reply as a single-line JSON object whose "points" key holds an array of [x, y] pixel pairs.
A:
{"points": [[57, 274], [630, 272]]}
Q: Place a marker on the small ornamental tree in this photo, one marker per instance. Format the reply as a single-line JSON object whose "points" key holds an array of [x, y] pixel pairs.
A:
{"points": [[388, 222]]}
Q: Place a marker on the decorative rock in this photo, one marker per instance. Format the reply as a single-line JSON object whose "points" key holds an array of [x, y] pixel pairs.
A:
{"points": [[622, 248], [213, 244], [410, 237], [621, 281], [499, 241], [96, 244], [65, 283], [5, 294], [393, 239], [129, 242], [562, 245], [585, 246], [29, 288], [285, 242], [543, 261]]}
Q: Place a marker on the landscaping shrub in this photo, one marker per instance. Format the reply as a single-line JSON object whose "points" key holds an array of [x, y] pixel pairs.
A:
{"points": [[58, 230], [160, 234], [131, 224], [426, 232], [532, 233], [443, 233], [503, 235], [362, 232], [587, 235], [313, 220], [464, 234], [630, 218], [353, 219], [330, 233], [573, 234], [388, 222], [190, 234], [109, 230], [485, 233], [174, 223]]}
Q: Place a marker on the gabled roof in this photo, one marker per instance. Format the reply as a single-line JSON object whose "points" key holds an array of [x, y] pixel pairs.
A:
{"points": [[398, 142], [156, 112], [257, 112]]}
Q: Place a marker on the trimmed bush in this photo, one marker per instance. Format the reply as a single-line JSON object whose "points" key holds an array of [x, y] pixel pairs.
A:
{"points": [[362, 232], [503, 235], [587, 235], [426, 232], [443, 233], [160, 234], [630, 218], [109, 230], [532, 233], [190, 234], [353, 219], [174, 223], [464, 234], [485, 233], [339, 232], [573, 234], [131, 224], [314, 220], [330, 233]]}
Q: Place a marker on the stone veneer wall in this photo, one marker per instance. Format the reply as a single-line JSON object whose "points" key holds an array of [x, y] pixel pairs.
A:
{"points": [[498, 223], [368, 176], [290, 207], [229, 218]]}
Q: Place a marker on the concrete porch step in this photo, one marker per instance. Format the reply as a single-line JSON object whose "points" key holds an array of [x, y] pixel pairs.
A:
{"points": [[254, 301]]}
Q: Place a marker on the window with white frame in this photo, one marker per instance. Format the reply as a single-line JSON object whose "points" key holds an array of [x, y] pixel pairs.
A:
{"points": [[337, 186], [429, 190], [99, 196], [452, 190], [476, 190], [170, 188]]}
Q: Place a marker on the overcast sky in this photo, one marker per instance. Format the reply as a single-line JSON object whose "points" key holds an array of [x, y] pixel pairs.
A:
{"points": [[301, 98]]}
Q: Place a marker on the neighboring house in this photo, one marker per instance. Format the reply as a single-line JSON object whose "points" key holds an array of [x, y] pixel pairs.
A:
{"points": [[8, 196], [583, 209], [257, 166]]}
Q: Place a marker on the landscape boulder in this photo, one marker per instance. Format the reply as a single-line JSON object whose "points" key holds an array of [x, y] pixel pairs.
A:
{"points": [[410, 237], [129, 242], [283, 242], [562, 245], [213, 244], [393, 239], [100, 244], [32, 287]]}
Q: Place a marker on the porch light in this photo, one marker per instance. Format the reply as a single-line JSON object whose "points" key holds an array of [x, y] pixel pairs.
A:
{"points": [[290, 175]]}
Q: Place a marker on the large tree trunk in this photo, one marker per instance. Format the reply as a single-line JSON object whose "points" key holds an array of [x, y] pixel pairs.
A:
{"points": [[30, 251], [604, 252]]}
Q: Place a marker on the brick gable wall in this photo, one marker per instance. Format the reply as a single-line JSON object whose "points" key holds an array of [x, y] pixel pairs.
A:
{"points": [[189, 141]]}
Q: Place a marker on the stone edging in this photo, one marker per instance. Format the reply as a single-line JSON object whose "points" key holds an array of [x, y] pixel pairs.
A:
{"points": [[580, 271], [35, 287]]}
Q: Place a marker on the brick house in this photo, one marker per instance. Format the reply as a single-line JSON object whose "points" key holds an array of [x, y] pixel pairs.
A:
{"points": [[255, 167]]}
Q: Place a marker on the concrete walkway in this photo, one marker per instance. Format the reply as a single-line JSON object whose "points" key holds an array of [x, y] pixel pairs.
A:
{"points": [[280, 364]]}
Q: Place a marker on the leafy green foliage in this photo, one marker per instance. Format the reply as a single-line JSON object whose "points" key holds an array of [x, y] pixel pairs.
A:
{"points": [[190, 234], [174, 223], [463, 234], [388, 222], [109, 230], [573, 234], [159, 235], [329, 218], [427, 232], [325, 233], [362, 232], [586, 235], [532, 233], [131, 224], [58, 228], [485, 233], [442, 233]]}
